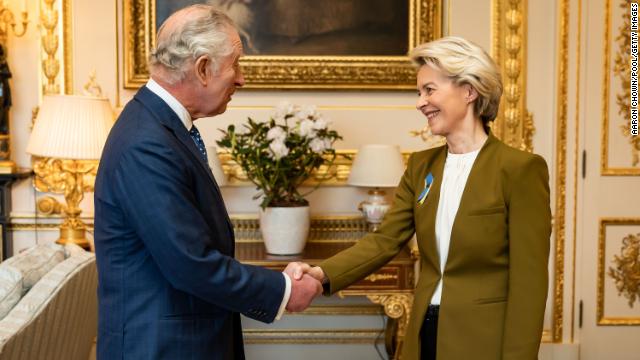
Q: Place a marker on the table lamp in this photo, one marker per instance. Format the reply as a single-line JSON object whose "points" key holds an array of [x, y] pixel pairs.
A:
{"points": [[377, 167], [66, 142]]}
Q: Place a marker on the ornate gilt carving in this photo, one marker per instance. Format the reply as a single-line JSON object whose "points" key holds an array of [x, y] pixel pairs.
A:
{"points": [[396, 306], [561, 172], [54, 175], [621, 68], [67, 46], [626, 272], [514, 124], [334, 175], [70, 178], [50, 65], [381, 277], [293, 72]]}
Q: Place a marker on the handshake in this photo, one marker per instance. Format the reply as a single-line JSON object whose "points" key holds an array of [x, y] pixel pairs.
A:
{"points": [[306, 285]]}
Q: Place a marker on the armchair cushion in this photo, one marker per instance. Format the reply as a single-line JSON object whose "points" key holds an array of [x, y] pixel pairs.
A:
{"points": [[10, 288], [35, 262]]}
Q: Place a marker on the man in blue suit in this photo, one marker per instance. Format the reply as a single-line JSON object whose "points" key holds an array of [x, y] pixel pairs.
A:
{"points": [[169, 287]]}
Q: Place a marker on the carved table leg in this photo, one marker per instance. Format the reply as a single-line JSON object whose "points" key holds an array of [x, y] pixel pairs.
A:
{"points": [[398, 307]]}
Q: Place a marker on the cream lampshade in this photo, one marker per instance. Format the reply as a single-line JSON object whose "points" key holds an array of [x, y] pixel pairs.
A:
{"points": [[69, 134], [376, 166], [71, 127]]}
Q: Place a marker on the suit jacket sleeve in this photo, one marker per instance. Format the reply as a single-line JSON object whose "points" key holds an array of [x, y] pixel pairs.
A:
{"points": [[154, 187], [529, 229], [376, 249]]}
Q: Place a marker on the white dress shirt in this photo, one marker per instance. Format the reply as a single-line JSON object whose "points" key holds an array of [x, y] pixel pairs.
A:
{"points": [[185, 117], [454, 178]]}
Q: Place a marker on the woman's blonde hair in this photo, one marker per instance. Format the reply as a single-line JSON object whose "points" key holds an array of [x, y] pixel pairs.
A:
{"points": [[465, 63]]}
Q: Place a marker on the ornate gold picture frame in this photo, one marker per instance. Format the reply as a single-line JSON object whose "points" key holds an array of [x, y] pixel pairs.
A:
{"points": [[619, 267], [616, 80], [293, 72]]}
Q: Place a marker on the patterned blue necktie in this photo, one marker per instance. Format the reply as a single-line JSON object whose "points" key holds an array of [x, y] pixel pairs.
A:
{"points": [[197, 139]]}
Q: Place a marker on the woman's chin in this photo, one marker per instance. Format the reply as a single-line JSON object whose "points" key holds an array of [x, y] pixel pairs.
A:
{"points": [[436, 130]]}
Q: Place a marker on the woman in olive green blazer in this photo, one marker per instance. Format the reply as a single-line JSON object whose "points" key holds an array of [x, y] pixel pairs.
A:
{"points": [[494, 282]]}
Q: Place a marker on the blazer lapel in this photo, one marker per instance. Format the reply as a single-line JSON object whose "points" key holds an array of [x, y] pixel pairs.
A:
{"points": [[428, 214], [473, 181]]}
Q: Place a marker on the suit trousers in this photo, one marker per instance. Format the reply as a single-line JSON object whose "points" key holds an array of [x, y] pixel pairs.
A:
{"points": [[429, 333]]}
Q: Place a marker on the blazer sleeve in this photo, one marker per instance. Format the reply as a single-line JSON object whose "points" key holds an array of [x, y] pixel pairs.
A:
{"points": [[529, 230], [376, 249], [152, 185]]}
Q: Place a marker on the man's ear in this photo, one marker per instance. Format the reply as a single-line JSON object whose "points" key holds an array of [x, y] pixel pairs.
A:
{"points": [[202, 67]]}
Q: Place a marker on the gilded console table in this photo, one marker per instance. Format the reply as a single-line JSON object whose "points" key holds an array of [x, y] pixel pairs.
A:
{"points": [[391, 286]]}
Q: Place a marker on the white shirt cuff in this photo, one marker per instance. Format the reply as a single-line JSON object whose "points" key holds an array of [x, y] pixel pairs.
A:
{"points": [[285, 298]]}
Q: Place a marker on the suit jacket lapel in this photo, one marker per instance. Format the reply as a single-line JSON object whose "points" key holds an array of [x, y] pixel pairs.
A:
{"points": [[166, 116]]}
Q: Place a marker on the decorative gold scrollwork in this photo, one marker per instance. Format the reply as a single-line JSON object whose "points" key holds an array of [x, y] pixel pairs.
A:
{"points": [[626, 272], [396, 306], [621, 69], [381, 277], [50, 65], [514, 124]]}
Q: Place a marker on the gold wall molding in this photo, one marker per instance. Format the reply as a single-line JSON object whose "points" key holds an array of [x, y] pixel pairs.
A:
{"points": [[341, 310], [334, 175], [561, 170], [632, 280], [514, 124], [312, 336], [576, 160], [292, 72], [621, 70], [67, 39]]}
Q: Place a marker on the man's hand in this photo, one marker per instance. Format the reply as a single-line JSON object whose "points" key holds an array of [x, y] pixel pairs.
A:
{"points": [[295, 270], [303, 291]]}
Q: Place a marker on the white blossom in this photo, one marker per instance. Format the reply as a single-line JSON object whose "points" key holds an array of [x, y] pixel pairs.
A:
{"points": [[327, 143], [321, 124], [283, 109], [307, 112], [277, 134], [305, 128], [318, 145], [278, 149]]}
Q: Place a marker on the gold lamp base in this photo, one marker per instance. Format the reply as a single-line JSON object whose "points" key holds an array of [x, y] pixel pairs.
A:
{"points": [[72, 229], [76, 236], [66, 177]]}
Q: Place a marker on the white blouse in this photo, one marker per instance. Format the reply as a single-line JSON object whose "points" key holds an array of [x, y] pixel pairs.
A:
{"points": [[456, 172]]}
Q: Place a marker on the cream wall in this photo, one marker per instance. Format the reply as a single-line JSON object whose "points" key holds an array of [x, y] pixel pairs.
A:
{"points": [[360, 116]]}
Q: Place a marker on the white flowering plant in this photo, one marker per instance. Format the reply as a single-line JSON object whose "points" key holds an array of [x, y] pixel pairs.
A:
{"points": [[280, 154]]}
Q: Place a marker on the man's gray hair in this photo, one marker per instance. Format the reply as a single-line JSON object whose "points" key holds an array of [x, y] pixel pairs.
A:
{"points": [[205, 33]]}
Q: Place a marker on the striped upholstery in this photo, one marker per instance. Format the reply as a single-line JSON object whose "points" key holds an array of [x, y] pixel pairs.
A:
{"points": [[57, 318]]}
